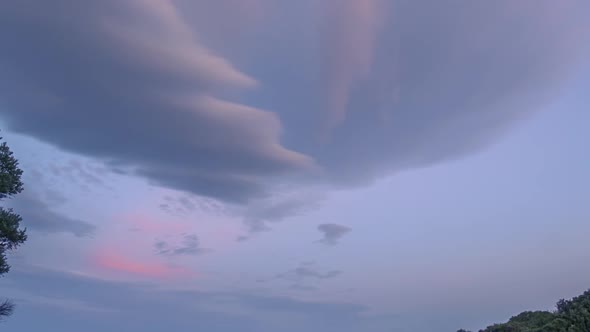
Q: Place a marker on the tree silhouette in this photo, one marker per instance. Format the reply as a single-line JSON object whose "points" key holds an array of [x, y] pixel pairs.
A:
{"points": [[11, 235], [571, 316]]}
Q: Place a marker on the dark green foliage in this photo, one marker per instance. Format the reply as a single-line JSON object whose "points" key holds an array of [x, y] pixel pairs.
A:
{"points": [[11, 235], [10, 183], [527, 321], [6, 308], [571, 316]]}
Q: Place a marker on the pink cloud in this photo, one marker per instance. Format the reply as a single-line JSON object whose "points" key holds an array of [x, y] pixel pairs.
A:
{"points": [[126, 250], [225, 18], [350, 31], [114, 262]]}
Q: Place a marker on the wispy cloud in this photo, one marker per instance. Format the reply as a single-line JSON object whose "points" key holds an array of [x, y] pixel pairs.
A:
{"points": [[118, 263], [189, 245], [84, 174], [144, 306], [40, 217], [258, 215], [300, 276], [332, 233], [184, 205], [308, 272]]}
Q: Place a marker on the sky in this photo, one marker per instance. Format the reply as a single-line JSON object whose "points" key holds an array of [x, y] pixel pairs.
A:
{"points": [[312, 165]]}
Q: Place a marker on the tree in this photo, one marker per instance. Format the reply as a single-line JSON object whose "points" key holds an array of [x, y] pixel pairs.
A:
{"points": [[6, 308], [11, 235], [571, 316]]}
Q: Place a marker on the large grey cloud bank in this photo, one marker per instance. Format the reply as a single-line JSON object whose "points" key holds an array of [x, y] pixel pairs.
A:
{"points": [[354, 89], [127, 81]]}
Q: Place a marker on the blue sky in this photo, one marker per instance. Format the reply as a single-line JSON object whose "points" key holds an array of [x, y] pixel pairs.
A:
{"points": [[263, 166]]}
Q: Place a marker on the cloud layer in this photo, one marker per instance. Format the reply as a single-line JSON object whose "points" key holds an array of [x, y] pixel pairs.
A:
{"points": [[130, 84], [355, 91], [147, 308]]}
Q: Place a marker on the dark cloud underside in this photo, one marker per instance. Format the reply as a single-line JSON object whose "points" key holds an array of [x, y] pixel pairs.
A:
{"points": [[392, 85]]}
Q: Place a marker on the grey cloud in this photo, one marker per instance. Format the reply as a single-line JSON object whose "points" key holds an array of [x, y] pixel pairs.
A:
{"points": [[304, 272], [189, 245], [300, 276], [166, 208], [187, 204], [136, 307], [130, 85], [100, 305], [76, 171], [184, 205], [332, 233], [67, 301], [242, 238], [50, 177], [432, 81], [349, 36], [38, 216], [448, 79], [54, 196], [436, 81], [259, 214]]}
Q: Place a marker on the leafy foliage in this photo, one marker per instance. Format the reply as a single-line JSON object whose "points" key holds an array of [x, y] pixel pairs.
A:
{"points": [[10, 174], [6, 308], [11, 235], [571, 316]]}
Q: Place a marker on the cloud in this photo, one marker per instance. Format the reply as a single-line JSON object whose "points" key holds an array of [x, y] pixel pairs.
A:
{"points": [[146, 307], [242, 238], [448, 79], [189, 245], [58, 302], [181, 206], [332, 233], [308, 272], [39, 216], [118, 263], [184, 205], [302, 274], [257, 215], [397, 86], [426, 82], [135, 88], [350, 29], [137, 307], [85, 174]]}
